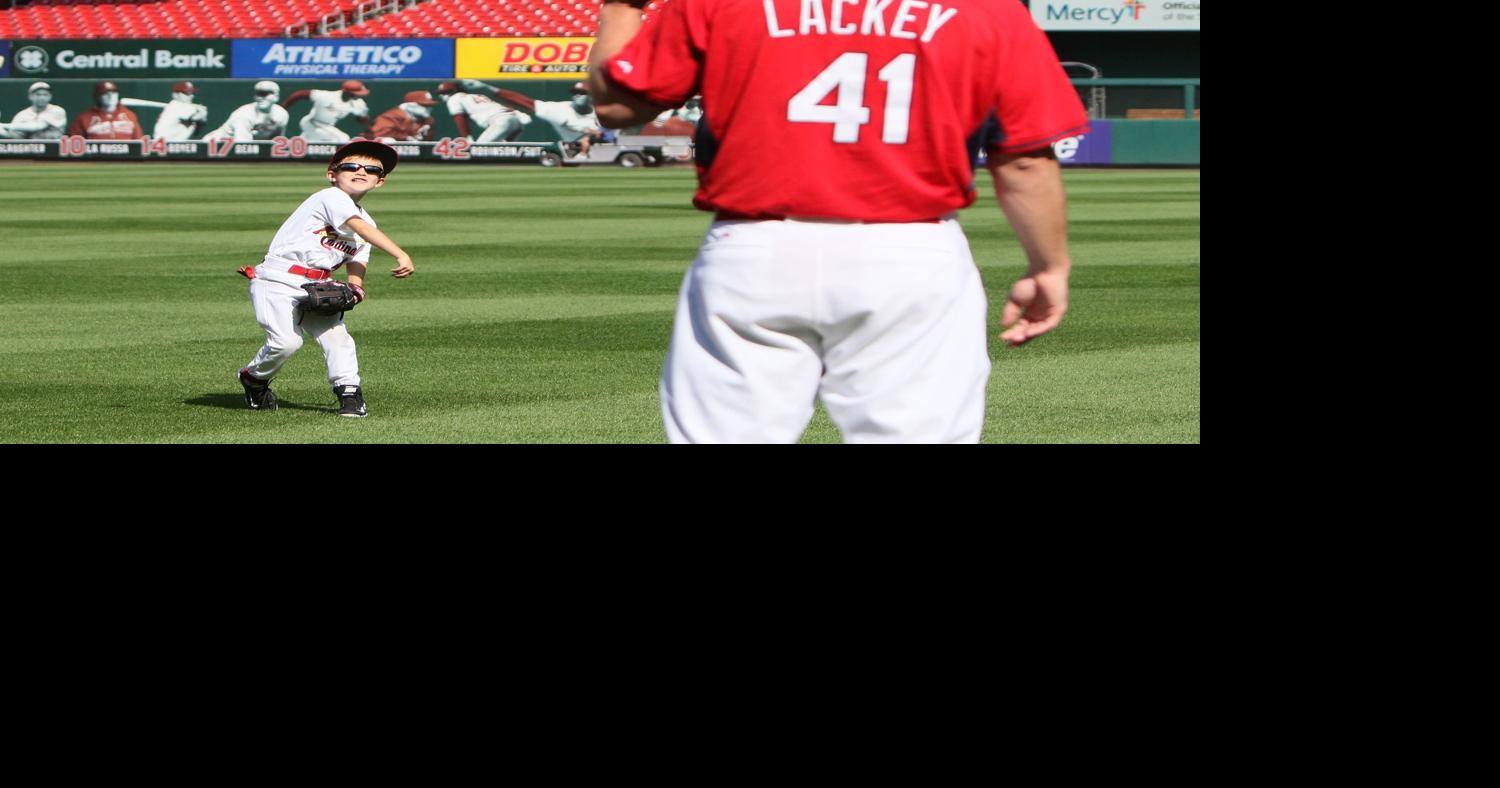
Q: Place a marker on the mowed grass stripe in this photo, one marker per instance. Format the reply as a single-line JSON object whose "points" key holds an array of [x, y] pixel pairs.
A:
{"points": [[540, 313]]}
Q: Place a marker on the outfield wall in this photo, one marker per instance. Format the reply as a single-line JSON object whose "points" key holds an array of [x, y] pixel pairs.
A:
{"points": [[224, 73]]}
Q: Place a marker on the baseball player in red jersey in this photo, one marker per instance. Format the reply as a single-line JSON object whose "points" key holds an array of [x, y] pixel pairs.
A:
{"points": [[834, 150], [107, 120]]}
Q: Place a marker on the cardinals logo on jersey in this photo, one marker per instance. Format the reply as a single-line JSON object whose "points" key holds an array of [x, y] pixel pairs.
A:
{"points": [[331, 240]]}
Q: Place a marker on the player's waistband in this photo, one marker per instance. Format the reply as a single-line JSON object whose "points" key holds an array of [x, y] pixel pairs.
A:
{"points": [[298, 270], [310, 273], [735, 216]]}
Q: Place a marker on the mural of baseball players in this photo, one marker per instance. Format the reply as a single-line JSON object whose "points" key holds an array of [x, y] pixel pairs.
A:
{"points": [[329, 107], [409, 121], [496, 122], [573, 120], [43, 120], [107, 119], [262, 119], [180, 118]]}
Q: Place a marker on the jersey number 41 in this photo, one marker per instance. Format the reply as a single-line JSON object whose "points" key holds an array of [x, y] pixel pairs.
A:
{"points": [[847, 76]]}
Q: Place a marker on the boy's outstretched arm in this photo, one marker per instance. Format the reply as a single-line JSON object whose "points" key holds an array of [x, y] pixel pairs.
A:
{"points": [[380, 240]]}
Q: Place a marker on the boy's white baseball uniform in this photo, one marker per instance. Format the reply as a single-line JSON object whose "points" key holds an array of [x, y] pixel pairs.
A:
{"points": [[497, 120], [329, 107], [310, 245]]}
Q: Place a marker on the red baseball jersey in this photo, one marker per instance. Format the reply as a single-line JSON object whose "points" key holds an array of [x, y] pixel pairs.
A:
{"points": [[850, 109], [96, 124]]}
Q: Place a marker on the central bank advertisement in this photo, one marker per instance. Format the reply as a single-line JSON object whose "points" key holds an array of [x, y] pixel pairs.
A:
{"points": [[373, 58], [118, 59]]}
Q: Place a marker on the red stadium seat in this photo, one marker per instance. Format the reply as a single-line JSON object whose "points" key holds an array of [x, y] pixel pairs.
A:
{"points": [[269, 18]]}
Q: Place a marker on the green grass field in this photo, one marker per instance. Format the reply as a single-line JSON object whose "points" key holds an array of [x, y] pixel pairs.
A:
{"points": [[540, 311]]}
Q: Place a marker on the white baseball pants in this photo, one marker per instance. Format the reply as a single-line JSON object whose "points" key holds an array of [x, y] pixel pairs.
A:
{"points": [[886, 323], [277, 312], [501, 127]]}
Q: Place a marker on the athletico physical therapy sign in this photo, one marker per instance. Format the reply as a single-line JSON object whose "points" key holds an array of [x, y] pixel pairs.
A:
{"points": [[119, 58], [523, 58], [1116, 15], [420, 58]]}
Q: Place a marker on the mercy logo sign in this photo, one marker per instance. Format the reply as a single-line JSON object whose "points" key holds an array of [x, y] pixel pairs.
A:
{"points": [[1115, 14], [1076, 12]]}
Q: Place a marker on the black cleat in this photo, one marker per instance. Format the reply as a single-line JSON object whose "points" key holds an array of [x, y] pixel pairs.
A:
{"points": [[351, 401], [257, 392]]}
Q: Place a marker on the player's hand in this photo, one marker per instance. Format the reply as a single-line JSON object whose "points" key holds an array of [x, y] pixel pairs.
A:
{"points": [[404, 268], [1036, 305]]}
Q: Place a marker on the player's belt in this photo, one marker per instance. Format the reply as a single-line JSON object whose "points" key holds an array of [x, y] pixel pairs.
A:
{"points": [[733, 216], [310, 273]]}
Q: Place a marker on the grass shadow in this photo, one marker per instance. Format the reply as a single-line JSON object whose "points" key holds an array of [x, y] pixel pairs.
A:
{"points": [[237, 402]]}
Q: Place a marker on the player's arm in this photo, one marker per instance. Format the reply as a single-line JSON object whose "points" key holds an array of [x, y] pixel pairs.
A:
{"points": [[520, 101], [1030, 190], [383, 242], [296, 97], [26, 127], [357, 279], [616, 108], [241, 127], [508, 97], [197, 120]]}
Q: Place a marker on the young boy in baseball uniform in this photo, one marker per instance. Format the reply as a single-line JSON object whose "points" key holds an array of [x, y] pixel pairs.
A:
{"points": [[328, 230]]}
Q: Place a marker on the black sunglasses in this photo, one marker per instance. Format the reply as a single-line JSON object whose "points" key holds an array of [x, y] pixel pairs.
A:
{"points": [[374, 169]]}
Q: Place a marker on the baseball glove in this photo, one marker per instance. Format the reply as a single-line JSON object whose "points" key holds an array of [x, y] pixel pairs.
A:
{"points": [[330, 297]]}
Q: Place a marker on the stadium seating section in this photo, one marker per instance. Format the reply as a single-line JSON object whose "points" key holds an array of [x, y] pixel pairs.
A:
{"points": [[269, 18]]}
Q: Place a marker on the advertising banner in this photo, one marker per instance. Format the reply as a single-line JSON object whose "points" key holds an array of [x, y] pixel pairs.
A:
{"points": [[1116, 15], [119, 59], [366, 58], [1095, 147], [523, 58], [4, 58]]}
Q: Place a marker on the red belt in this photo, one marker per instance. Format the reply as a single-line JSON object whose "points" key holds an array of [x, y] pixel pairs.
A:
{"points": [[731, 216], [310, 273]]}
